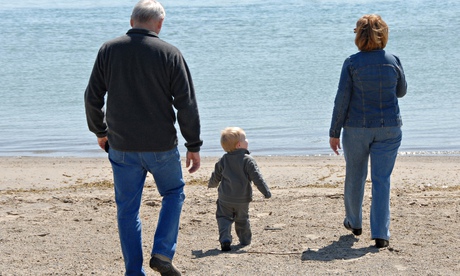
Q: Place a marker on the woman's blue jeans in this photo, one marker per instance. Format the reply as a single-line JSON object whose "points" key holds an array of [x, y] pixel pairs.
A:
{"points": [[129, 172], [381, 145]]}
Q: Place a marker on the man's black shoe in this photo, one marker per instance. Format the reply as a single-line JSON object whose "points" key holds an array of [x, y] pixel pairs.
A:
{"points": [[165, 268]]}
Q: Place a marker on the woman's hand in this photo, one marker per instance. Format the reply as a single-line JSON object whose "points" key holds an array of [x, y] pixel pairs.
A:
{"points": [[335, 144]]}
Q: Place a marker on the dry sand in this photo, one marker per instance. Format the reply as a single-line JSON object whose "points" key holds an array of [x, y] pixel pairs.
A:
{"points": [[57, 217]]}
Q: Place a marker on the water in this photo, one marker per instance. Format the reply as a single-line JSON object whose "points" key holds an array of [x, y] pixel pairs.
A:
{"points": [[270, 67]]}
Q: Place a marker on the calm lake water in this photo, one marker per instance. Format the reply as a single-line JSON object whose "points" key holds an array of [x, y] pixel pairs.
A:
{"points": [[270, 67]]}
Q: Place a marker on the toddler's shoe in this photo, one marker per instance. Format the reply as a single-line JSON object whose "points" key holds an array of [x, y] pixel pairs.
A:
{"points": [[225, 246]]}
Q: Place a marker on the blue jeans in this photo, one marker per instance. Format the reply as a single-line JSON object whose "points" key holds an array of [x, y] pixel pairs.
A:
{"points": [[381, 145], [129, 173]]}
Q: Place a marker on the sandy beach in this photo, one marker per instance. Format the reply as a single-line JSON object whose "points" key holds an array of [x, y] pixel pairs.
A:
{"points": [[57, 217]]}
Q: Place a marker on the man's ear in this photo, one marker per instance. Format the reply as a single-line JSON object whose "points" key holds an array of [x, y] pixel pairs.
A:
{"points": [[160, 25], [131, 23]]}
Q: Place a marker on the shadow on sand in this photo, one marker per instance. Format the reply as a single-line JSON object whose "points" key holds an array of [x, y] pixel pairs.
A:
{"points": [[338, 250], [214, 252]]}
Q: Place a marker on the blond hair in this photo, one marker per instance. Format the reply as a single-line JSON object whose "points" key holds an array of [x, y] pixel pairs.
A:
{"points": [[371, 33], [230, 137]]}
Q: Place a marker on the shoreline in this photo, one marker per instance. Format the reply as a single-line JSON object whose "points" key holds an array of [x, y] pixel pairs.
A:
{"points": [[52, 172], [210, 154]]}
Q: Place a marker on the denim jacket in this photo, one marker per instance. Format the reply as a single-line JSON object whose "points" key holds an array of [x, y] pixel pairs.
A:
{"points": [[369, 87]]}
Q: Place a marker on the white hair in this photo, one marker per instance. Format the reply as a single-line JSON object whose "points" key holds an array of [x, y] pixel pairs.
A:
{"points": [[146, 10]]}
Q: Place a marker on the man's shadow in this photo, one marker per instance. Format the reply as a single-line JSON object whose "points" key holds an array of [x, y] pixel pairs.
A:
{"points": [[338, 250]]}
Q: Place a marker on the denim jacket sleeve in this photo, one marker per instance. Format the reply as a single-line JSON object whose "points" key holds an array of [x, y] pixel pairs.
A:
{"points": [[342, 100], [401, 89]]}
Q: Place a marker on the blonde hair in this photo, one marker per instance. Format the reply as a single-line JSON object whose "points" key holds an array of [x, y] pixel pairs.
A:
{"points": [[230, 137], [371, 33]]}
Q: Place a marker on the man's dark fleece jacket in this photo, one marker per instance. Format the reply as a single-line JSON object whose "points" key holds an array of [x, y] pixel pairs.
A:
{"points": [[144, 78]]}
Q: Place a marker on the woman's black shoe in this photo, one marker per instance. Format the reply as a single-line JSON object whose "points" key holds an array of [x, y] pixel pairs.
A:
{"points": [[380, 243], [355, 232]]}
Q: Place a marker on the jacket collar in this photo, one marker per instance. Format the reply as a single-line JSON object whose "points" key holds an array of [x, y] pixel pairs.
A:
{"points": [[239, 151], [142, 31]]}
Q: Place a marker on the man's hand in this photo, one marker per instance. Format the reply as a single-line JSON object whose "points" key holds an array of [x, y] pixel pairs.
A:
{"points": [[101, 141], [335, 144], [192, 158]]}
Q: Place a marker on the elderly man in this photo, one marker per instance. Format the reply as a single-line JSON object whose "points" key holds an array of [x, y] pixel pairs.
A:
{"points": [[144, 78]]}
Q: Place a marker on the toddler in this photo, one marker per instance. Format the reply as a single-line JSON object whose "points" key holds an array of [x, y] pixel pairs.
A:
{"points": [[233, 175]]}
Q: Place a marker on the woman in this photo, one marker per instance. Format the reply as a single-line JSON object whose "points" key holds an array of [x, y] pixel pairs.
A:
{"points": [[366, 107]]}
